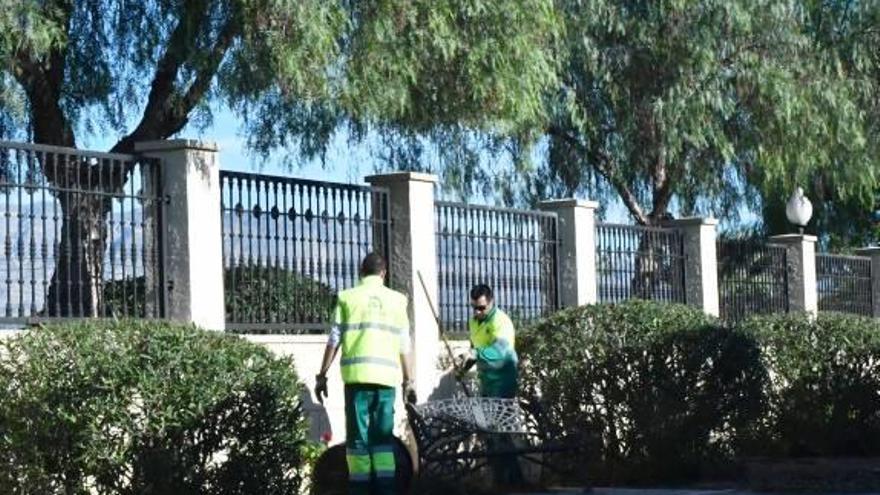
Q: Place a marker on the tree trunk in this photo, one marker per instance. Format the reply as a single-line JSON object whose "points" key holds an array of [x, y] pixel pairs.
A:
{"points": [[76, 289], [645, 271]]}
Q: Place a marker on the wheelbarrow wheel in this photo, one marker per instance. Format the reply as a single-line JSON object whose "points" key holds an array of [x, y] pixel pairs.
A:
{"points": [[331, 471]]}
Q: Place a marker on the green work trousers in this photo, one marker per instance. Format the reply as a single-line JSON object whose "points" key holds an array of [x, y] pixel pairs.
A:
{"points": [[505, 468], [369, 439]]}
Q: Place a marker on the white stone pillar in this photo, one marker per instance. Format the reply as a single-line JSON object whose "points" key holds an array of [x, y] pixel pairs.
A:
{"points": [[873, 253], [413, 251], [800, 257], [577, 250], [701, 261], [190, 177]]}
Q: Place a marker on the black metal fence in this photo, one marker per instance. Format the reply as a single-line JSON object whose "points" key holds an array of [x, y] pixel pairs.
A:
{"points": [[81, 234], [843, 284], [639, 262], [752, 278], [513, 251], [289, 245]]}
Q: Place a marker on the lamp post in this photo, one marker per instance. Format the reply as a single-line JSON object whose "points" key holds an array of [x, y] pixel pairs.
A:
{"points": [[799, 209]]}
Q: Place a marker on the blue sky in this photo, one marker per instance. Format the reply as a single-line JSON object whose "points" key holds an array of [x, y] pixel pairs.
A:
{"points": [[345, 162]]}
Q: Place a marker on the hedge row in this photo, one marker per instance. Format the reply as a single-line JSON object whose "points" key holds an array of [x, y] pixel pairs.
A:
{"points": [[253, 294], [147, 408], [657, 392], [662, 392]]}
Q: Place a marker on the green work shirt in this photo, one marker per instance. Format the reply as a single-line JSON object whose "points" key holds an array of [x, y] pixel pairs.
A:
{"points": [[494, 341]]}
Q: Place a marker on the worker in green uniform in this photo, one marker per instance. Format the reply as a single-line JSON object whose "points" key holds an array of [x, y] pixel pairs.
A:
{"points": [[493, 350], [371, 325]]}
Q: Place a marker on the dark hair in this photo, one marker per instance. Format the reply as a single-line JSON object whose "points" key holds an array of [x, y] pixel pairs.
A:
{"points": [[373, 264], [481, 290]]}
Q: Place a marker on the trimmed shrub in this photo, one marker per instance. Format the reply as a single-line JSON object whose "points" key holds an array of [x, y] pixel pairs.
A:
{"points": [[265, 294], [146, 408], [824, 390], [253, 294], [656, 391]]}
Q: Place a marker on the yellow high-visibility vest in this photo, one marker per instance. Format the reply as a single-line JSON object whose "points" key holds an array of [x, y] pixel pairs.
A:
{"points": [[497, 325], [371, 318]]}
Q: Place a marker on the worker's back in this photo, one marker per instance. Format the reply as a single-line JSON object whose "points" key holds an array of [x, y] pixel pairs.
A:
{"points": [[372, 319]]}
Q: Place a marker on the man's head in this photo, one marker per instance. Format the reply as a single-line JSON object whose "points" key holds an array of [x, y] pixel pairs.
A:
{"points": [[481, 301], [373, 264]]}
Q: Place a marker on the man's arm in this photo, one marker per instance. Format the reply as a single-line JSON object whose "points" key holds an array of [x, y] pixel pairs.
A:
{"points": [[494, 355], [333, 342], [406, 366], [409, 391], [500, 351], [329, 355]]}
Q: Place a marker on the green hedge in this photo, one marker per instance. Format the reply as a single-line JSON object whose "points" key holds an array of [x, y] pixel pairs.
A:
{"points": [[252, 294], [662, 393], [825, 387], [658, 390], [146, 408], [263, 294]]}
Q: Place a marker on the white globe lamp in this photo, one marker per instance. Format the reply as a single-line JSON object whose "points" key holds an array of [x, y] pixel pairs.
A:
{"points": [[799, 209]]}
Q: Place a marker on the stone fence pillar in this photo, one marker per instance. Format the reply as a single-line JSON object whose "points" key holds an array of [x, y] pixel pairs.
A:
{"points": [[701, 262], [801, 265], [413, 252], [192, 230], [577, 250]]}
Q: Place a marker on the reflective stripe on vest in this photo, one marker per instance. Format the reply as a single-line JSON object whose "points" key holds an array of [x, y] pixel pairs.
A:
{"points": [[371, 318], [370, 326]]}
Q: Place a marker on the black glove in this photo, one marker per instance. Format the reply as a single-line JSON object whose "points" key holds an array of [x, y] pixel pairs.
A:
{"points": [[466, 361], [409, 393], [321, 388], [468, 364]]}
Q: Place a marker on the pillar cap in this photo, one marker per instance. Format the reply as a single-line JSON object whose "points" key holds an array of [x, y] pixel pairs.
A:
{"points": [[401, 177], [552, 204], [793, 238], [690, 222], [175, 144], [868, 251]]}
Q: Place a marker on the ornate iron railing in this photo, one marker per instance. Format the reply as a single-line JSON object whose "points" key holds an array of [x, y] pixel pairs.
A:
{"points": [[639, 262], [289, 245], [752, 278], [81, 234], [843, 284], [513, 251]]}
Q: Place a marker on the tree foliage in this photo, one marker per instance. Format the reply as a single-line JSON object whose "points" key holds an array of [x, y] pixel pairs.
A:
{"points": [[688, 107], [296, 71], [701, 102], [284, 65], [847, 33]]}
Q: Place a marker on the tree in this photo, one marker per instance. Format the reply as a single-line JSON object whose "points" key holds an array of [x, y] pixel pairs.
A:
{"points": [[681, 105], [296, 70], [700, 103], [847, 33]]}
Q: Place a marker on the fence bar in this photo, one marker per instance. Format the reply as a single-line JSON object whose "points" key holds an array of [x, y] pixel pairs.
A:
{"points": [[843, 283], [299, 242], [639, 262], [513, 251], [752, 278], [74, 226]]}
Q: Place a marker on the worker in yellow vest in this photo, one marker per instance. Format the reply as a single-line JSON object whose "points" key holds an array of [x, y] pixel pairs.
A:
{"points": [[371, 325], [493, 350]]}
